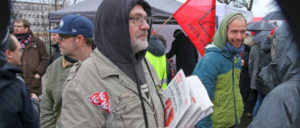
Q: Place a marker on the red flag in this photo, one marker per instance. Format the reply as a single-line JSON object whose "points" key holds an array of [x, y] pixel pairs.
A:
{"points": [[197, 19]]}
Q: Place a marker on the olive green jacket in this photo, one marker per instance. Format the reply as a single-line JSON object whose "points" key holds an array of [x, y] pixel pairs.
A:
{"points": [[53, 80]]}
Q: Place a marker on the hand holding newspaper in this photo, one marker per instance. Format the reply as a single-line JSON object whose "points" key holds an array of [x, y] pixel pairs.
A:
{"points": [[186, 101]]}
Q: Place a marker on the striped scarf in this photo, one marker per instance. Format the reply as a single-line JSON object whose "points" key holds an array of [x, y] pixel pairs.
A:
{"points": [[24, 39]]}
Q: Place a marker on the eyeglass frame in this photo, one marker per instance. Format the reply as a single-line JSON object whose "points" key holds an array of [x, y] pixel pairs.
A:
{"points": [[138, 20], [64, 36], [19, 26]]}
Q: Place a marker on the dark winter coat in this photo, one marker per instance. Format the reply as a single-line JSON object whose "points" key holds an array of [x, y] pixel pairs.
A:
{"points": [[15, 105], [34, 60], [244, 76], [286, 63], [260, 56], [55, 55], [280, 108], [186, 54]]}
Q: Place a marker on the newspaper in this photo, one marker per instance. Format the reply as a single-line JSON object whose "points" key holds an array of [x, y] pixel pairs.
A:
{"points": [[186, 101]]}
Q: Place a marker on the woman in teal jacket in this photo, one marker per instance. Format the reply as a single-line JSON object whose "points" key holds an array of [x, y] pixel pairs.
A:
{"points": [[219, 71]]}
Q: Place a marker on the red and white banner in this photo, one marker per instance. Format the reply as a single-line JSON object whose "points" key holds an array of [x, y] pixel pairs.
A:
{"points": [[197, 19]]}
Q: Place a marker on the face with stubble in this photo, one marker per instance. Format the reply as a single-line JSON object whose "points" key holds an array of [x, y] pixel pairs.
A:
{"points": [[138, 27], [236, 32]]}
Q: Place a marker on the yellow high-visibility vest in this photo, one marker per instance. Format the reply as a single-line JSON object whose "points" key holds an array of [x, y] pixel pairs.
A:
{"points": [[160, 65]]}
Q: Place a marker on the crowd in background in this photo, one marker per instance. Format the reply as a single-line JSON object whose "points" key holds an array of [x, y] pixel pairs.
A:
{"points": [[111, 73]]}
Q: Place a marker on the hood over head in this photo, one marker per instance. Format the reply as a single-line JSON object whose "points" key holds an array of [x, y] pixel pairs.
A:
{"points": [[220, 37], [287, 54], [156, 46], [7, 74], [178, 33], [112, 36]]}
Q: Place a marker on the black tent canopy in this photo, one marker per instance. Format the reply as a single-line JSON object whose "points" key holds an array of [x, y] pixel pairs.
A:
{"points": [[161, 10]]}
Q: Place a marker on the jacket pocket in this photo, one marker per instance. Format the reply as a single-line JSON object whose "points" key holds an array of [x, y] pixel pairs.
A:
{"points": [[128, 114], [35, 86]]}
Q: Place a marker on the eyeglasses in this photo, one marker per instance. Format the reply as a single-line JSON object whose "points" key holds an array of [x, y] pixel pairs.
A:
{"points": [[140, 20], [64, 36], [18, 26]]}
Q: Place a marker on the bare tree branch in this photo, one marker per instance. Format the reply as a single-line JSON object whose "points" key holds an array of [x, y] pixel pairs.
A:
{"points": [[239, 3]]}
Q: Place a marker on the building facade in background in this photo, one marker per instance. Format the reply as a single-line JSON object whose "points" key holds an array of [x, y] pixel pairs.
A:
{"points": [[36, 12]]}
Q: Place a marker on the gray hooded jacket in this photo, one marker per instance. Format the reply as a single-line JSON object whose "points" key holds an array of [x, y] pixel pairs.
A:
{"points": [[110, 87], [286, 64]]}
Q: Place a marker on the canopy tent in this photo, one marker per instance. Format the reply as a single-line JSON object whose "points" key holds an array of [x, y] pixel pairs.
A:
{"points": [[161, 10], [223, 9]]}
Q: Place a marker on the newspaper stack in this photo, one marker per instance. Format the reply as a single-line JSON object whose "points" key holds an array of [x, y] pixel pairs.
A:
{"points": [[186, 101]]}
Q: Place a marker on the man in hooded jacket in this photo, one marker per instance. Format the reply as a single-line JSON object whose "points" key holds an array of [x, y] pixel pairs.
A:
{"points": [[219, 71], [185, 51], [280, 108], [116, 86]]}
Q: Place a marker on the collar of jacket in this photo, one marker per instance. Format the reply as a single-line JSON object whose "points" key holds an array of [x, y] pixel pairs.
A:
{"points": [[105, 68], [213, 48], [65, 63]]}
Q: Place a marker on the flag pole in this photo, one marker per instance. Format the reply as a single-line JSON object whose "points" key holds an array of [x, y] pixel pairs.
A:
{"points": [[161, 26]]}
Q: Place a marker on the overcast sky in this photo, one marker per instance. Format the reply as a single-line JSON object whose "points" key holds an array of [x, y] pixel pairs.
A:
{"points": [[260, 7]]}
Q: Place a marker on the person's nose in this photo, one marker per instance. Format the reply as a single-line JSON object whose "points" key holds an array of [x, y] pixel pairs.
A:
{"points": [[145, 25], [240, 36]]}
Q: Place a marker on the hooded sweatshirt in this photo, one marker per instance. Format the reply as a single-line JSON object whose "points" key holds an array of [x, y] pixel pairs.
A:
{"points": [[285, 65], [280, 108], [156, 47], [219, 71], [15, 109], [112, 28]]}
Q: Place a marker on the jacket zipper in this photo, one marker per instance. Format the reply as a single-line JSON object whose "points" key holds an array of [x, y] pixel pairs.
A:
{"points": [[235, 121]]}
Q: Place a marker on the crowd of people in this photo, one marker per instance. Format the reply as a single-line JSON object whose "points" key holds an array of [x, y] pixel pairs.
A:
{"points": [[111, 73]]}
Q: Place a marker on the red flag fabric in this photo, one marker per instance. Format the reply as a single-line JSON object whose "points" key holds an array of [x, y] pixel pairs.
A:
{"points": [[197, 19]]}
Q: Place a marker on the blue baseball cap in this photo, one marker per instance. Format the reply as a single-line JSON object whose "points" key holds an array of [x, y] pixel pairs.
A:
{"points": [[75, 25]]}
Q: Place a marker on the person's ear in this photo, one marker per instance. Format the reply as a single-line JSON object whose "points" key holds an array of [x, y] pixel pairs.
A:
{"points": [[80, 40], [26, 29], [8, 54]]}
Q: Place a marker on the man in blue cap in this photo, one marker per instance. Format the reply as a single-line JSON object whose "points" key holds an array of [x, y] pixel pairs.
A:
{"points": [[76, 41]]}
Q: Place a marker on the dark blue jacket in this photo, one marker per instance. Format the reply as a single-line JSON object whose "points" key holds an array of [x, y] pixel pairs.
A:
{"points": [[15, 105]]}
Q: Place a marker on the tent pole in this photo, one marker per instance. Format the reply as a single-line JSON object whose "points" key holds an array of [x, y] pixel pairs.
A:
{"points": [[161, 26], [49, 35]]}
